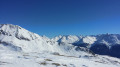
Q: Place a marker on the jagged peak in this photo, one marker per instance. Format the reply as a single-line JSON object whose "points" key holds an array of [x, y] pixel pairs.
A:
{"points": [[17, 31], [10, 25], [10, 28]]}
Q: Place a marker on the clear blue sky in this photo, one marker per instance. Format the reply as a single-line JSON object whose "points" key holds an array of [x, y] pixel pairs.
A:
{"points": [[63, 17]]}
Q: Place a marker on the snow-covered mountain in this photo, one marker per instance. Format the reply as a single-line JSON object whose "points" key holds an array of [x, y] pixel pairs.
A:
{"points": [[19, 39], [22, 48], [104, 44], [108, 39]]}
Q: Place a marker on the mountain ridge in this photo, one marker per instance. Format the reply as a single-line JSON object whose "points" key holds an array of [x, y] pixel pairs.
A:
{"points": [[16, 35]]}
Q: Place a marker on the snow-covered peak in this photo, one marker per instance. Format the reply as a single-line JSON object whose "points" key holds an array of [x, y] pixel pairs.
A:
{"points": [[16, 36], [67, 38], [9, 29], [109, 39], [89, 39], [17, 31]]}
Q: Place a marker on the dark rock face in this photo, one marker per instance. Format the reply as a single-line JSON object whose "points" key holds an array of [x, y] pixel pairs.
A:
{"points": [[101, 49], [115, 51], [23, 38], [11, 46], [81, 44]]}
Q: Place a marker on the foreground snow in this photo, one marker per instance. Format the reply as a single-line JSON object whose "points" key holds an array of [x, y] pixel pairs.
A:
{"points": [[47, 59]]}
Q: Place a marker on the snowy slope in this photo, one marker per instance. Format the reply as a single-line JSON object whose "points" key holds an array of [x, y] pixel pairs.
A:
{"points": [[20, 39], [17, 36], [22, 48], [40, 59]]}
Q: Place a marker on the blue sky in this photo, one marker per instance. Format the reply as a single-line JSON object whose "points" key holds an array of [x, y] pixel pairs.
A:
{"points": [[63, 17]]}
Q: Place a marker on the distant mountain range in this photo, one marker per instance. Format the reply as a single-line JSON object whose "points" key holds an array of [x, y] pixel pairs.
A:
{"points": [[103, 44]]}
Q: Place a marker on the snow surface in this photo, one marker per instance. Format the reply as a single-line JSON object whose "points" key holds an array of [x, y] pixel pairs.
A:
{"points": [[48, 59]]}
